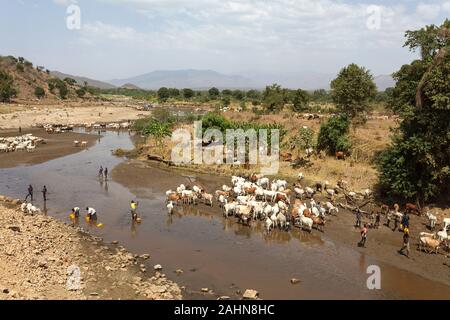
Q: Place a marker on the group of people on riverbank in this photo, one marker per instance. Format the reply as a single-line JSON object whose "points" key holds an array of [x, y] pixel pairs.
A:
{"points": [[404, 227], [31, 192]]}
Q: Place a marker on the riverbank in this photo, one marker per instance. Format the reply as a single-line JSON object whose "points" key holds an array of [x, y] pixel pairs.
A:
{"points": [[40, 256], [29, 115], [55, 146]]}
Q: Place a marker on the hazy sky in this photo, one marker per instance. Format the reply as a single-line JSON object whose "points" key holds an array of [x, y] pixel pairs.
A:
{"points": [[121, 38]]}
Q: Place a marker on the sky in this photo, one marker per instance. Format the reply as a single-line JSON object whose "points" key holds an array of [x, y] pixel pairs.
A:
{"points": [[112, 39]]}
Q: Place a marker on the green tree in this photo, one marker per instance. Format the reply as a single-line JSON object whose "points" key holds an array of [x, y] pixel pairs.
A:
{"points": [[300, 100], [163, 94], [417, 164], [238, 95], [304, 139], [174, 93], [7, 90], [227, 92], [81, 92], [39, 92], [188, 93], [213, 93], [274, 98], [333, 135], [352, 90], [226, 101], [70, 81], [157, 131]]}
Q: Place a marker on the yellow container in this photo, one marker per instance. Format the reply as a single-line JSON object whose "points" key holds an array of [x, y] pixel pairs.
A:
{"points": [[72, 216], [100, 225], [88, 219]]}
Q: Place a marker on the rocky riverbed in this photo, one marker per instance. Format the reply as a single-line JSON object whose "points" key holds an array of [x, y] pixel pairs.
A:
{"points": [[43, 258]]}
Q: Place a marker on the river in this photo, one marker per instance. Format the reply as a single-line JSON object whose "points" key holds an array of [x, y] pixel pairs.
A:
{"points": [[213, 252]]}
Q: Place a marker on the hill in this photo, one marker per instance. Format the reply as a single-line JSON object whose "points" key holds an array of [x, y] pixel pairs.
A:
{"points": [[195, 79], [27, 78], [82, 80]]}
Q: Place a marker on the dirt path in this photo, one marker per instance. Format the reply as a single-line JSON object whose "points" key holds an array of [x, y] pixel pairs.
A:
{"points": [[56, 145], [38, 256]]}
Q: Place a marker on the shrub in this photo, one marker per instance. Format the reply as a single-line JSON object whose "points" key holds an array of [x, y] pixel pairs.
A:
{"points": [[7, 90], [39, 92], [333, 135]]}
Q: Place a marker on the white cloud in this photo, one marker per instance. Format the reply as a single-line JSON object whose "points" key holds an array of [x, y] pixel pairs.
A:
{"points": [[65, 2], [428, 11], [446, 6], [273, 33]]}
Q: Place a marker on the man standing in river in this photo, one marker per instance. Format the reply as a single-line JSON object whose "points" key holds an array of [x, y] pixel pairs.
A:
{"points": [[44, 193], [106, 174], [30, 193]]}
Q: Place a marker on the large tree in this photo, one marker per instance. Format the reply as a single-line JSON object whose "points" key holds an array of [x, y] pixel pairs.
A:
{"points": [[274, 98], [353, 89], [7, 90], [300, 100], [417, 164]]}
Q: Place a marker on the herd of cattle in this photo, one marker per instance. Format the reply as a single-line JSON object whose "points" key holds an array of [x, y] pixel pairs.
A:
{"points": [[26, 142], [257, 198], [61, 128]]}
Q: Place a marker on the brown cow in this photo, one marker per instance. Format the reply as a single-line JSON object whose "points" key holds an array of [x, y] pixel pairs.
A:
{"points": [[340, 155], [282, 197], [409, 207], [286, 156], [318, 222], [250, 190], [173, 197], [307, 213]]}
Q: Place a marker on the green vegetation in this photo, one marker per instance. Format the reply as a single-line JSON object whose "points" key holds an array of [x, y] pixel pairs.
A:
{"points": [[333, 135], [304, 139], [7, 90], [417, 164], [39, 92], [274, 98], [70, 81], [352, 90], [81, 92], [56, 83], [214, 120], [300, 101]]}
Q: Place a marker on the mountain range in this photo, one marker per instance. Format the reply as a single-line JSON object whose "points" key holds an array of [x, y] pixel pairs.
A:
{"points": [[204, 79]]}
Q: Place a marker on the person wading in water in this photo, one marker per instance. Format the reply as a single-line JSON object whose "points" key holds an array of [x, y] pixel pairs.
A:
{"points": [[30, 193], [106, 174], [364, 232], [134, 206], [405, 243], [44, 193]]}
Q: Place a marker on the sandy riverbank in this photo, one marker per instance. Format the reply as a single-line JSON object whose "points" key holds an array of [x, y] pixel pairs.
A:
{"points": [[56, 145], [36, 253], [30, 115]]}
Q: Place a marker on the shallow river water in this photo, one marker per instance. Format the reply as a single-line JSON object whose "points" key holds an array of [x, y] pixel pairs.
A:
{"points": [[213, 252]]}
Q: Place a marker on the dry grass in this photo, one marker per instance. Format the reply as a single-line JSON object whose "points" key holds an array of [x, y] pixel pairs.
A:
{"points": [[358, 169]]}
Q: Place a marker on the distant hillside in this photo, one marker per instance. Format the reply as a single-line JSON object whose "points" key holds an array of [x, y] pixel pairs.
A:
{"points": [[27, 77], [194, 79], [81, 80], [130, 86], [201, 79], [384, 81]]}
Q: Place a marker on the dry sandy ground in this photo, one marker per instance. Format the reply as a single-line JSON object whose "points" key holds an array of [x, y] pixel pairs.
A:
{"points": [[55, 146], [37, 254], [28, 116]]}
